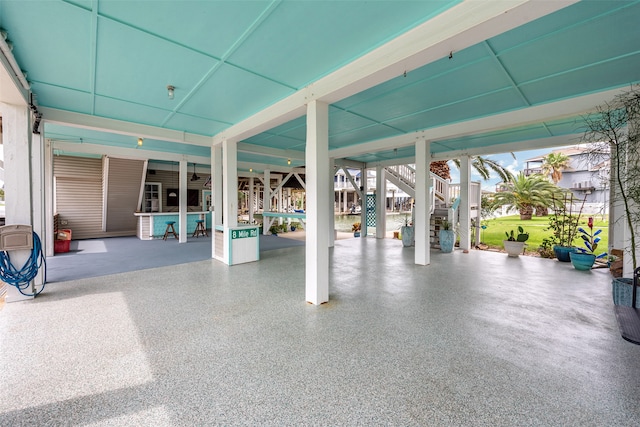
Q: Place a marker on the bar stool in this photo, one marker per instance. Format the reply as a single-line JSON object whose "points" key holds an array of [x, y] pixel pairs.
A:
{"points": [[170, 230], [200, 230]]}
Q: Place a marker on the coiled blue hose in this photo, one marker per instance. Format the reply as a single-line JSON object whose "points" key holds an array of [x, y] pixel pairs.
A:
{"points": [[23, 277]]}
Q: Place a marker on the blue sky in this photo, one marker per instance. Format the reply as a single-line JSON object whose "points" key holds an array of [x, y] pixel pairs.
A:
{"points": [[514, 165]]}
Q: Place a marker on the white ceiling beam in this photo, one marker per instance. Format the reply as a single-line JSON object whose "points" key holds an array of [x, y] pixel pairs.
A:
{"points": [[392, 162], [532, 144], [261, 167], [244, 147], [463, 25], [351, 164], [377, 145], [70, 148], [101, 124], [523, 117]]}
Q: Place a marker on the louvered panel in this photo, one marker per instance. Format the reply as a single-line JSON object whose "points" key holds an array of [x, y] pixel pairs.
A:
{"points": [[79, 202], [77, 167], [124, 183]]}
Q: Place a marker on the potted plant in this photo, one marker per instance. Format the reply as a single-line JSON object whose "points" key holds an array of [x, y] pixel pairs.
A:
{"points": [[356, 229], [407, 232], [514, 245], [447, 237], [614, 140], [584, 258], [564, 225]]}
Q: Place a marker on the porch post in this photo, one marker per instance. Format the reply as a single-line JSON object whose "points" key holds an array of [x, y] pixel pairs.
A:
{"points": [[229, 192], [381, 202], [266, 202], [251, 199], [16, 138], [332, 203], [423, 203], [478, 198], [345, 200], [317, 169], [182, 193], [465, 207], [363, 202], [216, 187], [48, 242]]}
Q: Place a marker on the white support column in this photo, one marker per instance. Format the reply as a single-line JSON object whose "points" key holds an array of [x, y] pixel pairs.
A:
{"points": [[182, 199], [266, 203], [345, 201], [280, 201], [363, 202], [478, 213], [381, 202], [48, 242], [40, 221], [216, 186], [229, 192], [317, 169], [332, 199], [619, 232], [16, 138], [423, 203], [251, 199], [464, 229]]}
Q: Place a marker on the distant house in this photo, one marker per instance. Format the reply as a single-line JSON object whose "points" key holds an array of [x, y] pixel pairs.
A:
{"points": [[584, 179]]}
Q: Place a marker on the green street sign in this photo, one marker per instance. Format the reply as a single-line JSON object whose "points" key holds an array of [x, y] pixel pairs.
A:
{"points": [[243, 234]]}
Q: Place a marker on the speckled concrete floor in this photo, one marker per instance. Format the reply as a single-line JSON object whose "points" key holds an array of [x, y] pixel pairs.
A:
{"points": [[473, 339]]}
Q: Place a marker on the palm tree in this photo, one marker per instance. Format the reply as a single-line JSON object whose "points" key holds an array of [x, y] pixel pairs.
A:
{"points": [[553, 164], [526, 192], [480, 164]]}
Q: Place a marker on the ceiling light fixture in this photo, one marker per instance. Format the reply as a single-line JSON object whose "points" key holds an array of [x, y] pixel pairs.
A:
{"points": [[140, 142], [170, 90]]}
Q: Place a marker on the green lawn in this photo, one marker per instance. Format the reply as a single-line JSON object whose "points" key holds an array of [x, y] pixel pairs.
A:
{"points": [[493, 235]]}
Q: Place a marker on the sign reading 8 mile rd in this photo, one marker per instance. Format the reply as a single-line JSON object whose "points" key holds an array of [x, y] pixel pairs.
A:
{"points": [[242, 234]]}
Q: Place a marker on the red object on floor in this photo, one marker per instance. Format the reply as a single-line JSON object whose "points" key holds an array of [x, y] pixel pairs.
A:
{"points": [[61, 246]]}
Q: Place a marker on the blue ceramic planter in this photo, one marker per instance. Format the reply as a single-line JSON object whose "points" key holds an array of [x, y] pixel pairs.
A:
{"points": [[447, 240], [562, 252], [582, 261]]}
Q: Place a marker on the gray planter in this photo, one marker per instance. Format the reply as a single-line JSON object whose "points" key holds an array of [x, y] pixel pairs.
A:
{"points": [[513, 248], [407, 235]]}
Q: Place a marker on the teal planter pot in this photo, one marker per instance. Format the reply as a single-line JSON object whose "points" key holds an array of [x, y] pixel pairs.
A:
{"points": [[447, 240], [582, 261], [562, 252]]}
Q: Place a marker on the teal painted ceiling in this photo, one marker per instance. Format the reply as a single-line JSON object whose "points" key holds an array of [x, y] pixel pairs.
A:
{"points": [[229, 60]]}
